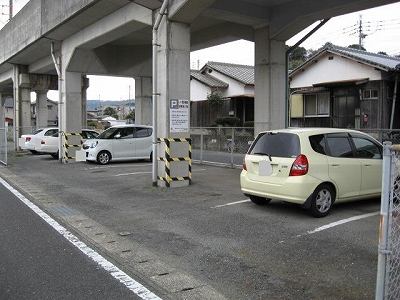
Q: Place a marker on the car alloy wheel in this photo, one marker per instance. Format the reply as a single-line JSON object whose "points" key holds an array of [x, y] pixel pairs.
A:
{"points": [[322, 200], [103, 157]]}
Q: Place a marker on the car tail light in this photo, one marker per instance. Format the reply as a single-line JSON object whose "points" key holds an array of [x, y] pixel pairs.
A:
{"points": [[244, 164], [299, 166], [42, 142], [27, 139]]}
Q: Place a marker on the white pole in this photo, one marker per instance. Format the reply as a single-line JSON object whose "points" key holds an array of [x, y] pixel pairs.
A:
{"points": [[57, 65], [384, 222], [155, 93]]}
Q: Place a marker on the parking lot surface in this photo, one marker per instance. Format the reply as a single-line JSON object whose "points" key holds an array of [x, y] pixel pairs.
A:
{"points": [[207, 240]]}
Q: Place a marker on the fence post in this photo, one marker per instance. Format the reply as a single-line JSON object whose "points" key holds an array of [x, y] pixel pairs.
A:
{"points": [[384, 222], [233, 145], [4, 148], [201, 145]]}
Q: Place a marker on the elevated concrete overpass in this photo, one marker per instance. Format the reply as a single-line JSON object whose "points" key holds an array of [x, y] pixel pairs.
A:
{"points": [[55, 44]]}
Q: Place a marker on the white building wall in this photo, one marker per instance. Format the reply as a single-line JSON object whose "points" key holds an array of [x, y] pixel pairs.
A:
{"points": [[9, 113], [53, 111], [337, 69], [235, 88], [198, 91], [249, 90]]}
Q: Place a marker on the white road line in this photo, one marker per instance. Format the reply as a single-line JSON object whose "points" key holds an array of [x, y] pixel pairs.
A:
{"points": [[115, 166], [341, 222], [135, 173], [213, 163], [114, 271], [232, 203]]}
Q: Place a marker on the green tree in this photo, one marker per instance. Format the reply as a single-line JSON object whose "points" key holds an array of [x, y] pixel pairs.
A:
{"points": [[357, 46], [215, 100], [131, 115], [109, 111], [297, 57], [228, 121]]}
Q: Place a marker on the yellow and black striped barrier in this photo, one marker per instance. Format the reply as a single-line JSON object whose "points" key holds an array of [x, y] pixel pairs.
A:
{"points": [[68, 145], [168, 159]]}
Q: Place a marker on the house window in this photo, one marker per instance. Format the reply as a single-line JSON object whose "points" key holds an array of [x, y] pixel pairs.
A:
{"points": [[323, 104], [316, 105], [49, 107], [370, 94], [310, 105]]}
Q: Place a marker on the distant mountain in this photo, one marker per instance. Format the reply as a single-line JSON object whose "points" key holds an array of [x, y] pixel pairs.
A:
{"points": [[98, 104]]}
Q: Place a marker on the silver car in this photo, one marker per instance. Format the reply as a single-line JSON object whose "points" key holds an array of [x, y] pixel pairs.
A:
{"points": [[120, 143]]}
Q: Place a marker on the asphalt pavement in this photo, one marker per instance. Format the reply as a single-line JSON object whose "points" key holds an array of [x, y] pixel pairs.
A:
{"points": [[83, 196], [39, 263], [206, 240]]}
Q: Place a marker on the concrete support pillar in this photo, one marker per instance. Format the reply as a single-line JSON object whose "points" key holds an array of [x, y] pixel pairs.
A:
{"points": [[24, 97], [269, 91], [2, 110], [173, 80], [85, 85], [42, 113], [70, 111], [143, 101], [22, 103], [41, 84], [71, 106]]}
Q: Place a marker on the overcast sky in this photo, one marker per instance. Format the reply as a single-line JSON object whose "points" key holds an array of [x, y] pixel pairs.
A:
{"points": [[381, 26]]}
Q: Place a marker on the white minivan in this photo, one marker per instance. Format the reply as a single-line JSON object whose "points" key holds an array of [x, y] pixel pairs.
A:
{"points": [[313, 167], [120, 143]]}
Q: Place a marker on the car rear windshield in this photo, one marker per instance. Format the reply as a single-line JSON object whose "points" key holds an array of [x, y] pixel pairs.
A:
{"points": [[276, 144]]}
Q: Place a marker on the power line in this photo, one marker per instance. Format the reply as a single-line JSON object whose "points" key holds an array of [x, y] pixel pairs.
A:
{"points": [[360, 30]]}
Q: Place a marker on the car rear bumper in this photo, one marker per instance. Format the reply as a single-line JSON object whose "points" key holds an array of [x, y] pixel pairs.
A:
{"points": [[30, 146], [295, 189]]}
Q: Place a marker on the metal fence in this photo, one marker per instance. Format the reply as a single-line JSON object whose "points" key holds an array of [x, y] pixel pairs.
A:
{"points": [[233, 142], [221, 145], [388, 271], [383, 135], [227, 139], [3, 144]]}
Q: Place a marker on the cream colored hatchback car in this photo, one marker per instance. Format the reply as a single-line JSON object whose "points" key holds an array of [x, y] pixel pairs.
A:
{"points": [[313, 167]]}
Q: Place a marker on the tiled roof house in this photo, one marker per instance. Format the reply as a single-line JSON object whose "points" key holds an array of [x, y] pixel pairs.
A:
{"points": [[235, 83], [345, 87]]}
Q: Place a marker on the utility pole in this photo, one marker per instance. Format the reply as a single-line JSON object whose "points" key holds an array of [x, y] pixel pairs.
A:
{"points": [[361, 35], [10, 10]]}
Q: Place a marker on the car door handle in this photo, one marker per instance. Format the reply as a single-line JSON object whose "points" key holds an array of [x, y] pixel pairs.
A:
{"points": [[335, 165]]}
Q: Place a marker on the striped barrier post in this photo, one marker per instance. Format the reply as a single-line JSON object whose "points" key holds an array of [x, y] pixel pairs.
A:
{"points": [[168, 159], [67, 145]]}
